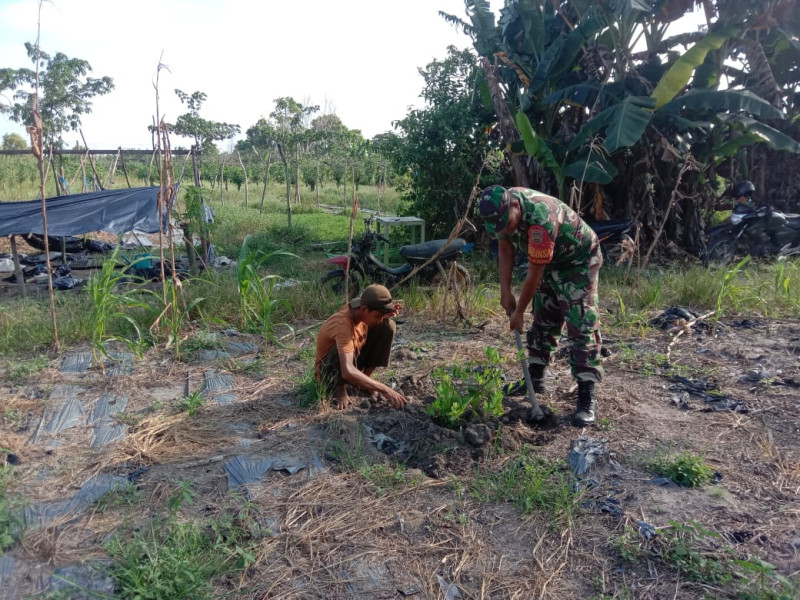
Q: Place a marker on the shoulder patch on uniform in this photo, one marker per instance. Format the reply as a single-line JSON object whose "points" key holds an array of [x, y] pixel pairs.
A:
{"points": [[540, 246]]}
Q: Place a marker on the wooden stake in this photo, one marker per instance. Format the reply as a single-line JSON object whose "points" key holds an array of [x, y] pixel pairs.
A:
{"points": [[17, 266], [244, 171]]}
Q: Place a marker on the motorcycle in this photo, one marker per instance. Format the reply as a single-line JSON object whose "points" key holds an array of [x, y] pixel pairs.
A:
{"points": [[755, 231], [612, 235], [366, 268]]}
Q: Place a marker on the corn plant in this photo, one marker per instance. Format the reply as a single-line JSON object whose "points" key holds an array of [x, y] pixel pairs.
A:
{"points": [[109, 304], [257, 293], [727, 289], [468, 388], [175, 314]]}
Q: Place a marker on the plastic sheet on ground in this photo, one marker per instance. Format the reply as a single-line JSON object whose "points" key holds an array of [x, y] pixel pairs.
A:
{"points": [[243, 469], [708, 391], [212, 354], [6, 569], [64, 411], [585, 452], [241, 347], [83, 582], [78, 362], [217, 386], [383, 442], [41, 513], [118, 363], [449, 590], [106, 405], [106, 428]]}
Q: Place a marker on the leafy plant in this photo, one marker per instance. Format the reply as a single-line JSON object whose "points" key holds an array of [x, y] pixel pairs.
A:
{"points": [[27, 368], [686, 469], [192, 402], [472, 387], [118, 497]]}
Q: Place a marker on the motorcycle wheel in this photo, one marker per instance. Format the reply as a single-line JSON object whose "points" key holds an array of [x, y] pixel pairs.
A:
{"points": [[720, 252], [334, 281], [460, 278]]}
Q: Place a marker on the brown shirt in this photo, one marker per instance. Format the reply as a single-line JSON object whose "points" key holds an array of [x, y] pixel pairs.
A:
{"points": [[341, 331]]}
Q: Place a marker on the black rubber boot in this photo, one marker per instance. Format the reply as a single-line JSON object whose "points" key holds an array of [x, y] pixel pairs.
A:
{"points": [[518, 387], [587, 405]]}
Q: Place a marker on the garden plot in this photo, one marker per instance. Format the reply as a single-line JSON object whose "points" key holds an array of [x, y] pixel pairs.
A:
{"points": [[309, 502]]}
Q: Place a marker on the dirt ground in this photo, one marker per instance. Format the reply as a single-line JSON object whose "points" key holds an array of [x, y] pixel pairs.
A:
{"points": [[730, 395]]}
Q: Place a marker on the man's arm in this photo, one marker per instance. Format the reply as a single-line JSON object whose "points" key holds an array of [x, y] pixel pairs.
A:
{"points": [[529, 287], [505, 256], [352, 375]]}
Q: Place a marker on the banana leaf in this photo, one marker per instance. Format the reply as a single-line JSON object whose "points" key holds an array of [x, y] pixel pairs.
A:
{"points": [[676, 78], [718, 101], [624, 124], [590, 169]]}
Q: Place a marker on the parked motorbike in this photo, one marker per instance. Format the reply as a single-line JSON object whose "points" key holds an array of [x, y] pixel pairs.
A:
{"points": [[365, 268], [755, 231], [611, 234]]}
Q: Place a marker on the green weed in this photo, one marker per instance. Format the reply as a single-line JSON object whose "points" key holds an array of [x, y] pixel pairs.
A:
{"points": [[183, 494], [192, 402], [387, 478], [532, 484], [686, 469], [25, 369], [170, 560], [468, 388], [118, 497]]}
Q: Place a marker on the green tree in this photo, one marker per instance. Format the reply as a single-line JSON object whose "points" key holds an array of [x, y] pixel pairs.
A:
{"points": [[14, 141], [441, 147], [65, 92], [202, 131]]}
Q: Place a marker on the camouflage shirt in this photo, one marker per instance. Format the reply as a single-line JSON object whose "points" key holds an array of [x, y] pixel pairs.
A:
{"points": [[550, 232]]}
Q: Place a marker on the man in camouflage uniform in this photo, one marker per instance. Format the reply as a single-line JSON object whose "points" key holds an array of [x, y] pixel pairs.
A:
{"points": [[564, 260]]}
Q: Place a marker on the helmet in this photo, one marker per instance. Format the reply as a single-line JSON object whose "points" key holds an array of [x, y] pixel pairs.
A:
{"points": [[744, 188]]}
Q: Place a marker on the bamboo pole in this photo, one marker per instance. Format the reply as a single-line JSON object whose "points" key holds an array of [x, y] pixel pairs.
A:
{"points": [[124, 170], [36, 132]]}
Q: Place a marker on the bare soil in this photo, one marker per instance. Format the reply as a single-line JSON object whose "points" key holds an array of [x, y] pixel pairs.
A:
{"points": [[330, 532]]}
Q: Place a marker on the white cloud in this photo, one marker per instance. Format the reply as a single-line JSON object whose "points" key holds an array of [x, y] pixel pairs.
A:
{"points": [[360, 57]]}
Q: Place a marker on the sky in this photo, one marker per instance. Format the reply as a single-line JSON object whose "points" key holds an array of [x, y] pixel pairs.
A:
{"points": [[358, 59]]}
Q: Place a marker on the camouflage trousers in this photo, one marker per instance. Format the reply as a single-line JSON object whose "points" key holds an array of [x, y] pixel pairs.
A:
{"points": [[569, 295]]}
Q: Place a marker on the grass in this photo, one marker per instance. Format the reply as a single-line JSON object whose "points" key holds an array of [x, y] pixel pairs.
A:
{"points": [[534, 485], [172, 560], [701, 555]]}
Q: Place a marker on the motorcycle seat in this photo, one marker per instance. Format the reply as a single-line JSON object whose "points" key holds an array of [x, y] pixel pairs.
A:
{"points": [[427, 249], [603, 229]]}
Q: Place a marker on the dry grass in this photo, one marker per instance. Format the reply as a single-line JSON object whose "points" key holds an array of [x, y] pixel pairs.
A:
{"points": [[337, 538], [163, 438]]}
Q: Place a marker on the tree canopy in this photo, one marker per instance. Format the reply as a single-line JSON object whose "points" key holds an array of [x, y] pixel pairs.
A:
{"points": [[65, 91]]}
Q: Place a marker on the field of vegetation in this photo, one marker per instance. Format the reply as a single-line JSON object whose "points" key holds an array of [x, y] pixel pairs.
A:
{"points": [[229, 474]]}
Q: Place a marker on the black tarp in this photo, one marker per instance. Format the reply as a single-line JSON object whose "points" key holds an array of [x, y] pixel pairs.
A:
{"points": [[114, 211]]}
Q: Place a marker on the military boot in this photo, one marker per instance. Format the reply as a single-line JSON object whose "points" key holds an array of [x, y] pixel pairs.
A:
{"points": [[587, 405], [518, 388]]}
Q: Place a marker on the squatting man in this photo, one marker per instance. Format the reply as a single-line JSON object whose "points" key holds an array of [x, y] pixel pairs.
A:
{"points": [[564, 260], [353, 342]]}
